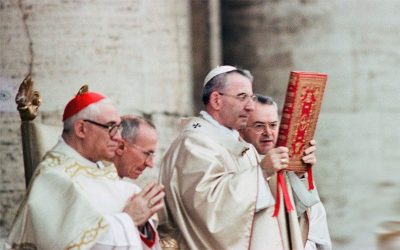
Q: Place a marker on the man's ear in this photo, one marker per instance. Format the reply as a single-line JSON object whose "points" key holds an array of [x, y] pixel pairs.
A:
{"points": [[121, 148], [215, 100], [80, 129]]}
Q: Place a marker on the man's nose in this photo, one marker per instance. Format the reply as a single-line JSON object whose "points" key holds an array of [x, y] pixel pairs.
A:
{"points": [[149, 162], [117, 136], [250, 105], [267, 130]]}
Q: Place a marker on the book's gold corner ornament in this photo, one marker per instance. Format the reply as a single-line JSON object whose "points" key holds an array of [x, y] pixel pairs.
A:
{"points": [[28, 100]]}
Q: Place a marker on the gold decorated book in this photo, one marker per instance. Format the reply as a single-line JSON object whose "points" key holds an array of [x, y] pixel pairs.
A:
{"points": [[300, 114]]}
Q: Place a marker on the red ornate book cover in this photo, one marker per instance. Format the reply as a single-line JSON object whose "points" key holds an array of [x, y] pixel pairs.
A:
{"points": [[300, 114]]}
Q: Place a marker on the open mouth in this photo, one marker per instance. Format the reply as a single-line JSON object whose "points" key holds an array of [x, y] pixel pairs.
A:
{"points": [[266, 141]]}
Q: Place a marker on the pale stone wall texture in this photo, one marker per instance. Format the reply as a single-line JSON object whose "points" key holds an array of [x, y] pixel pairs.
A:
{"points": [[357, 44]]}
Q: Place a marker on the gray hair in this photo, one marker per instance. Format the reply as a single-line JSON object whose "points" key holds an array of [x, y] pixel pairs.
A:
{"points": [[218, 83], [130, 126], [267, 100], [91, 112]]}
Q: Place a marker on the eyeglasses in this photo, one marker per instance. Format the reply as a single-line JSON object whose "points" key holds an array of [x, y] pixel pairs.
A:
{"points": [[242, 97], [149, 154], [260, 128], [112, 128]]}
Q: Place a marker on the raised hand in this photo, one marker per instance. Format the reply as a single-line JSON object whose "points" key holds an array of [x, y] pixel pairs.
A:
{"points": [[140, 207], [309, 154]]}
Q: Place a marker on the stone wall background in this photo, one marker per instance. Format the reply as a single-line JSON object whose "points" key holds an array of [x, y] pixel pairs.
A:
{"points": [[145, 55]]}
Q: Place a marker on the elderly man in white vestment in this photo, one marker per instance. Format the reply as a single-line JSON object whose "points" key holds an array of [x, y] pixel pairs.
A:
{"points": [[134, 154], [217, 196], [73, 202], [307, 223]]}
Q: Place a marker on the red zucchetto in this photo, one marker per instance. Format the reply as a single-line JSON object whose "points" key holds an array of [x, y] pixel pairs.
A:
{"points": [[82, 99]]}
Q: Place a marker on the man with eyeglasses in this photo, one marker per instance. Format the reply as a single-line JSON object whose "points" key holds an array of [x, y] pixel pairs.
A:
{"points": [[307, 223], [136, 151], [73, 201], [134, 154], [216, 195]]}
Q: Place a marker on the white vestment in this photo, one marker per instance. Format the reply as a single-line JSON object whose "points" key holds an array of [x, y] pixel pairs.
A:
{"points": [[213, 188], [73, 204]]}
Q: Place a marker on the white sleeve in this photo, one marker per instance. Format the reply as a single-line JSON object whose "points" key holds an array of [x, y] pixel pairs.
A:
{"points": [[121, 233], [318, 235], [310, 245], [264, 195]]}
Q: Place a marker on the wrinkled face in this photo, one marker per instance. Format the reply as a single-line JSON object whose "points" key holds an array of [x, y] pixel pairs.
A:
{"points": [[236, 103], [138, 156], [99, 144], [262, 128]]}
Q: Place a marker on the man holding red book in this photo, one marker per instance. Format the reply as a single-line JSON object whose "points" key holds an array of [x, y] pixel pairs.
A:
{"points": [[305, 226], [217, 196]]}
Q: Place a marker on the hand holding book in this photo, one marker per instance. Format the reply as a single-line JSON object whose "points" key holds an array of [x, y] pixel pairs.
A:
{"points": [[275, 160], [299, 120]]}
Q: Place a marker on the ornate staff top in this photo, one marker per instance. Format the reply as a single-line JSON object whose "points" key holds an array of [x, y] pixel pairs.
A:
{"points": [[28, 100]]}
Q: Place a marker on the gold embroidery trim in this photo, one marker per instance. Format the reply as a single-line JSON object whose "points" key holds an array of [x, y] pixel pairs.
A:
{"points": [[73, 168], [76, 168], [89, 236]]}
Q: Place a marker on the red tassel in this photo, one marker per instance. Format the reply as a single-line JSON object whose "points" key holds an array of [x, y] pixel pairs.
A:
{"points": [[282, 184], [278, 198], [310, 178], [288, 203]]}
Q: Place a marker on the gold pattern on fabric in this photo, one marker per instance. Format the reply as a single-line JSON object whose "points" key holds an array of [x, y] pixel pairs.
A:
{"points": [[75, 169], [52, 160], [89, 236]]}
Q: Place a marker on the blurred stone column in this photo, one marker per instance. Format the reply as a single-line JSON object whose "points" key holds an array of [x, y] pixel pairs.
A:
{"points": [[253, 34], [206, 43]]}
